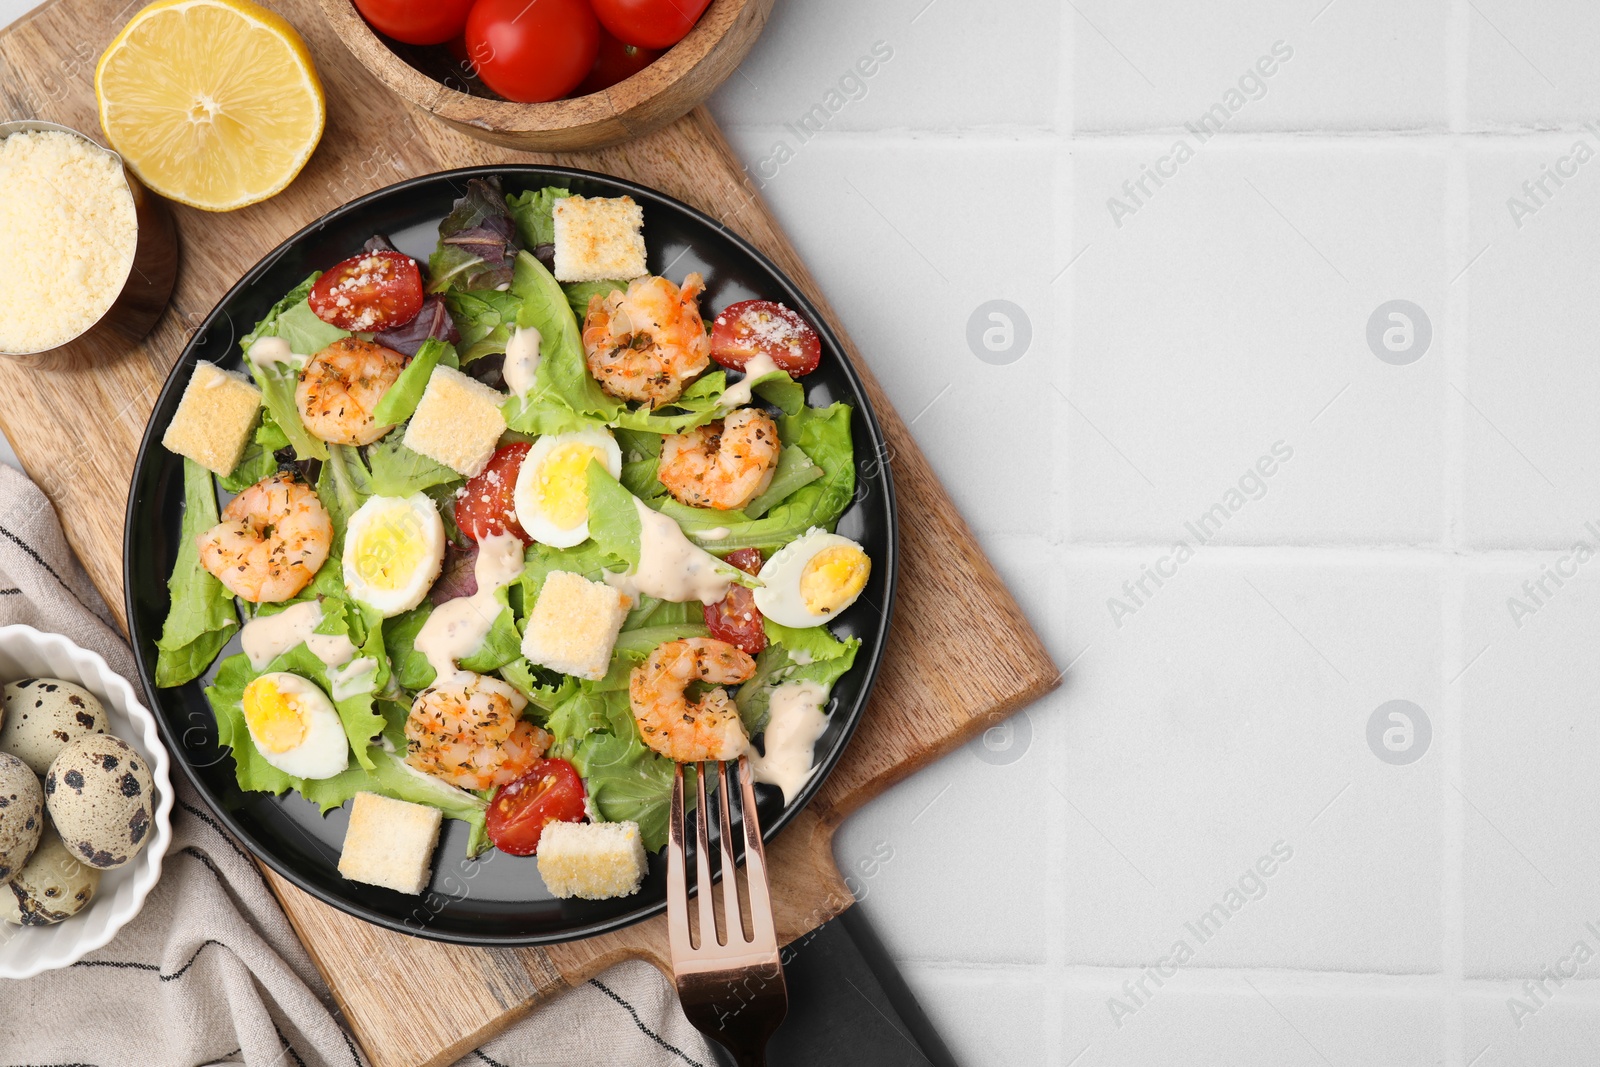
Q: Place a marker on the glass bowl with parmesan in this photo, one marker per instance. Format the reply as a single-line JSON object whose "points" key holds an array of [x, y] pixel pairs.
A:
{"points": [[73, 212]]}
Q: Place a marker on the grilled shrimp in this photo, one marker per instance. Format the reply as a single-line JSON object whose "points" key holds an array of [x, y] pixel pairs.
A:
{"points": [[272, 540], [466, 730], [706, 729], [646, 343], [723, 464], [341, 385]]}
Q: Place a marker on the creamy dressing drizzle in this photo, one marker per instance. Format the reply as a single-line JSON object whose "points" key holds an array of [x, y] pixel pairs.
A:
{"points": [[270, 350], [670, 566], [716, 533], [738, 394], [522, 359], [796, 721], [266, 637], [457, 628], [334, 650]]}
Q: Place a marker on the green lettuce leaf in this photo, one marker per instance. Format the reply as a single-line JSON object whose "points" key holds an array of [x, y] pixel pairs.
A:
{"points": [[696, 407], [401, 398], [411, 669], [202, 615], [794, 471], [258, 460], [398, 471], [533, 213], [580, 293], [565, 395], [485, 319], [812, 654]]}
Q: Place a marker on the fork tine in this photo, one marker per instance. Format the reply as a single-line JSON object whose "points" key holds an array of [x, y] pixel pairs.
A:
{"points": [[755, 863], [730, 879], [677, 877], [702, 862]]}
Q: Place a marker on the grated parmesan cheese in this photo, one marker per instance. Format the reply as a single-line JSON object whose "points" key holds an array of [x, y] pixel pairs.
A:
{"points": [[67, 238]]}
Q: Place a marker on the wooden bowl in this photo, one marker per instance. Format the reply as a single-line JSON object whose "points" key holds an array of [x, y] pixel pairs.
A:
{"points": [[668, 88]]}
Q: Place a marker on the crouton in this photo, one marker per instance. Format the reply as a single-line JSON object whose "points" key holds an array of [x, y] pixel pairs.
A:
{"points": [[390, 843], [599, 238], [592, 860], [215, 418]]}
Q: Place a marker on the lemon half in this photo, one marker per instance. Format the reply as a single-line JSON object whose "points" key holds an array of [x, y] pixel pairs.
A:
{"points": [[212, 103]]}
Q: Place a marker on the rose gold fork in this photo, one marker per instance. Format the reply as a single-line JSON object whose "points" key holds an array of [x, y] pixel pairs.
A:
{"points": [[732, 990]]}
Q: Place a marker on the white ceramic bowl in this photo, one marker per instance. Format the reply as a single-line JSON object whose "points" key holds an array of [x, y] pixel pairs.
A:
{"points": [[28, 950]]}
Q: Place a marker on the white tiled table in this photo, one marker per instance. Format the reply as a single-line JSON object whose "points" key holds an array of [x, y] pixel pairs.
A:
{"points": [[1224, 713]]}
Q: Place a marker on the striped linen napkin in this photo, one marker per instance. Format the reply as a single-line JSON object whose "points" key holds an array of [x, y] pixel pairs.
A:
{"points": [[210, 970]]}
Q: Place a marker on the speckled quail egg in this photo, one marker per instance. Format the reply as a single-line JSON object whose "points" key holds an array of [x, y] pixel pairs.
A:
{"points": [[42, 715], [52, 886], [100, 798], [21, 815]]}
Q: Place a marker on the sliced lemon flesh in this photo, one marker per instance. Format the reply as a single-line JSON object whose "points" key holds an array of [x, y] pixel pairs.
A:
{"points": [[212, 103]]}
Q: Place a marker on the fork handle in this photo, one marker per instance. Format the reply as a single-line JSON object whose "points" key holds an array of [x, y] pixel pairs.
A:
{"points": [[848, 1004]]}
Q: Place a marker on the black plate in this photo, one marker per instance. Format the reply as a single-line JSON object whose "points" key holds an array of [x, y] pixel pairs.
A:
{"points": [[497, 899]]}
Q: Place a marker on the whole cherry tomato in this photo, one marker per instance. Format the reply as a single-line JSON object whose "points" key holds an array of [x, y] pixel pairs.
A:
{"points": [[371, 291], [532, 50], [485, 505], [433, 22], [650, 23], [753, 327], [735, 618], [616, 62], [550, 791]]}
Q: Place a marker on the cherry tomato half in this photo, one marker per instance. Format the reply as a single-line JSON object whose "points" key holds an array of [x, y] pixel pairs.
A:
{"points": [[531, 51], [372, 291], [434, 22], [735, 618], [616, 62], [550, 791], [765, 326], [486, 504], [650, 23]]}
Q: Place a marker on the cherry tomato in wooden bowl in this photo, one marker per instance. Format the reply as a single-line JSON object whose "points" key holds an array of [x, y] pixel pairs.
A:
{"points": [[433, 22], [765, 327], [616, 62], [650, 23], [486, 505], [735, 618], [550, 791], [369, 292], [532, 51]]}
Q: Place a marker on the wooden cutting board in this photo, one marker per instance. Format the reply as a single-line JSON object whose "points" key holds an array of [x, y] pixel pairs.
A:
{"points": [[961, 654]]}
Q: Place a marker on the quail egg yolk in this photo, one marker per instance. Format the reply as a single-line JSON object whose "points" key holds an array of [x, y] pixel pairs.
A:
{"points": [[391, 549], [273, 716], [562, 485], [833, 578]]}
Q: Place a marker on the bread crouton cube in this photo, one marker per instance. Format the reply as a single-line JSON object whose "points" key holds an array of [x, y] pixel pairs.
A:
{"points": [[457, 421], [215, 418], [598, 238], [592, 860], [574, 624], [390, 843]]}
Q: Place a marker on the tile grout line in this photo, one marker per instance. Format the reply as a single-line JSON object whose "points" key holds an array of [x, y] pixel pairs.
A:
{"points": [[1457, 317], [1058, 342]]}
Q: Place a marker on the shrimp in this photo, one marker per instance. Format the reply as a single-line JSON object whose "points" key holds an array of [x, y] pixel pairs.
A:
{"points": [[466, 730], [340, 387], [723, 464], [272, 540], [707, 729], [647, 343]]}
